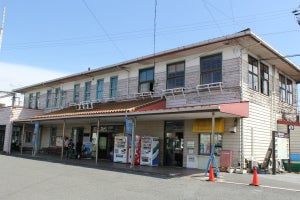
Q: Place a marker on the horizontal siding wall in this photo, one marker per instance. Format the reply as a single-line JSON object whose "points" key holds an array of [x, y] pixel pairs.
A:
{"points": [[258, 126], [155, 129]]}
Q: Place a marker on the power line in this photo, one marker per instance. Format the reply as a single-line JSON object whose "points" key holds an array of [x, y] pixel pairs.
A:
{"points": [[103, 29]]}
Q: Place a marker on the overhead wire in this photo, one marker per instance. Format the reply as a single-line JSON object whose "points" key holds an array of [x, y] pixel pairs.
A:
{"points": [[103, 29], [166, 30]]}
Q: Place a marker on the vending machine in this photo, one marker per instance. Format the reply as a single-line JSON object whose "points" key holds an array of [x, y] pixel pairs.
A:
{"points": [[120, 149], [137, 149], [149, 151]]}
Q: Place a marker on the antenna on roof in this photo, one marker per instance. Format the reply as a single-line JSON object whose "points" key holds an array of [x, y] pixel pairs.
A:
{"points": [[154, 32], [2, 27]]}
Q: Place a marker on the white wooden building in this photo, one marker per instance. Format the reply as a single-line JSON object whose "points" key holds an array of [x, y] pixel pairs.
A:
{"points": [[237, 82]]}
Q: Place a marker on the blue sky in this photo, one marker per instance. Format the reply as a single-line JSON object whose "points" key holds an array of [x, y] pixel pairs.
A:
{"points": [[68, 36]]}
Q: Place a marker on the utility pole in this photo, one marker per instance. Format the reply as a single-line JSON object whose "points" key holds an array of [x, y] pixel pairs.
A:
{"points": [[297, 14], [2, 27]]}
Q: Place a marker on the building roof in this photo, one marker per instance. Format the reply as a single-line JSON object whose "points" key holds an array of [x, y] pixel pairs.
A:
{"points": [[246, 39]]}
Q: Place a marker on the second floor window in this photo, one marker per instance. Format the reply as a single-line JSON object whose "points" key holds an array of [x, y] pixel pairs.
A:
{"points": [[56, 97], [30, 100], [37, 100], [146, 80], [211, 69], [282, 87], [63, 96], [289, 91], [87, 91], [175, 75], [76, 93], [48, 98], [252, 73], [264, 79], [100, 85], [113, 87]]}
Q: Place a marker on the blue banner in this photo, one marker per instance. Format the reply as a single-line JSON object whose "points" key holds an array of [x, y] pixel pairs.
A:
{"points": [[129, 125], [36, 128]]}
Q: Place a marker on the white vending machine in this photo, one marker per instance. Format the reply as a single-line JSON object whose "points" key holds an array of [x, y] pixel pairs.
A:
{"points": [[149, 151], [120, 149]]}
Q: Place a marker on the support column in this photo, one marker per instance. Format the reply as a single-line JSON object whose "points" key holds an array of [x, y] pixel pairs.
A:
{"points": [[97, 135], [212, 130], [63, 139], [22, 137], [133, 143]]}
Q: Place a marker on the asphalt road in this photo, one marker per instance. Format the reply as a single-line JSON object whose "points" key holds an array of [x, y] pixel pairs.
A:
{"points": [[22, 179]]}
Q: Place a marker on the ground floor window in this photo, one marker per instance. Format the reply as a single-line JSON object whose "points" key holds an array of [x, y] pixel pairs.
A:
{"points": [[205, 143]]}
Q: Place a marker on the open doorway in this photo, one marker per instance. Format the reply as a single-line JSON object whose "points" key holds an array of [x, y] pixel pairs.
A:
{"points": [[173, 143], [2, 136]]}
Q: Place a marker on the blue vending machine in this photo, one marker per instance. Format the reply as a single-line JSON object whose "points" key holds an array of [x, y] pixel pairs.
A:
{"points": [[149, 151]]}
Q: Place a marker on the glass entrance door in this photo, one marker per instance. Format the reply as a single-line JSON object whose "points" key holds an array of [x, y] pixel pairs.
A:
{"points": [[2, 136], [103, 143], [173, 155]]}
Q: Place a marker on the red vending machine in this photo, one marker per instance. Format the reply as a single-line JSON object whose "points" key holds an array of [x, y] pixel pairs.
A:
{"points": [[137, 150]]}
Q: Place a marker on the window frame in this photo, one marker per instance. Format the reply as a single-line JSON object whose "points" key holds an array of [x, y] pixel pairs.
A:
{"points": [[63, 95], [56, 97], [113, 87], [76, 93], [252, 75], [282, 88], [30, 100], [264, 81], [211, 71], [146, 81], [99, 90], [87, 90], [218, 146], [48, 98], [176, 76], [37, 100], [289, 91]]}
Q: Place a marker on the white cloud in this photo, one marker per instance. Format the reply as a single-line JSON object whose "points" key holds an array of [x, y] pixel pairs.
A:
{"points": [[15, 76]]}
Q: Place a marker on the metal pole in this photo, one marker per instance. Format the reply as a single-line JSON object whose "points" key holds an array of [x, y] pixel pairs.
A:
{"points": [[133, 144], [22, 137], [289, 135], [63, 140], [273, 154], [212, 130], [97, 135]]}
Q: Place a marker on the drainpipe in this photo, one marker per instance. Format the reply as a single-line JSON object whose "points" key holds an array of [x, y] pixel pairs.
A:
{"points": [[241, 119], [133, 144]]}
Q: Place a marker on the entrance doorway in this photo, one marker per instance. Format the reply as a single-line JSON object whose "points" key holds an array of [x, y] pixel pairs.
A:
{"points": [[173, 147], [106, 138], [2, 136]]}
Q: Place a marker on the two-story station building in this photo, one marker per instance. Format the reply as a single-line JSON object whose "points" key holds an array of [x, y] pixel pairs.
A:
{"points": [[236, 89]]}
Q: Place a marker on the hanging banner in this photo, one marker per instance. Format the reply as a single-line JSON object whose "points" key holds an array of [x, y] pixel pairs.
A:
{"points": [[129, 125], [36, 128]]}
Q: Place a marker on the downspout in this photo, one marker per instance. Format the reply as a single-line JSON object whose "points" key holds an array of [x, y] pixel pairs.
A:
{"points": [[242, 157], [22, 137]]}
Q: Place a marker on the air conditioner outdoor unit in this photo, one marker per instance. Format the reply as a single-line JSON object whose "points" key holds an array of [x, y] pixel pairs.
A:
{"points": [[232, 129]]}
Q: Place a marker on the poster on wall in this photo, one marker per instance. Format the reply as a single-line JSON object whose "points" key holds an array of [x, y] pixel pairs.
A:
{"points": [[281, 145]]}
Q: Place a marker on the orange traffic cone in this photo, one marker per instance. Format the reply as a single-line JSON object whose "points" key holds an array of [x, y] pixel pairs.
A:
{"points": [[211, 174], [255, 178]]}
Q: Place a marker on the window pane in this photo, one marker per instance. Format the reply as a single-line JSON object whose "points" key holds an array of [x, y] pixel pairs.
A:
{"points": [[211, 69], [204, 144]]}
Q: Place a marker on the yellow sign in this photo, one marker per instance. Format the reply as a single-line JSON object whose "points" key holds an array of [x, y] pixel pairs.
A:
{"points": [[205, 125]]}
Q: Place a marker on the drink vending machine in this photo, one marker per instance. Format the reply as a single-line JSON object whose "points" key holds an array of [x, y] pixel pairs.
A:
{"points": [[149, 151], [120, 149]]}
